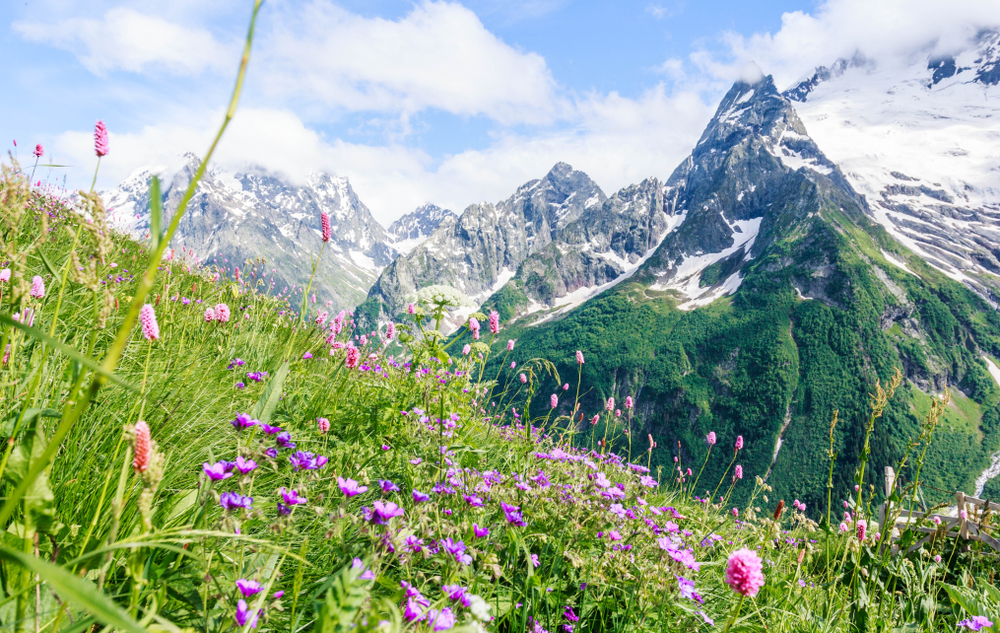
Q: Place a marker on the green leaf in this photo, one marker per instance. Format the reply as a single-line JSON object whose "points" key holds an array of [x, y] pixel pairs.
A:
{"points": [[7, 428], [80, 592], [67, 350], [48, 264], [39, 502], [344, 599], [269, 397], [155, 212]]}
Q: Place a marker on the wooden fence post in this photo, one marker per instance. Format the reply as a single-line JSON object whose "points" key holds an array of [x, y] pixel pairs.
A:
{"points": [[963, 528]]}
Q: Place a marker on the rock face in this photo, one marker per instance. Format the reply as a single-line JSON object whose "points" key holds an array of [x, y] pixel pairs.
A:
{"points": [[919, 142], [478, 252], [754, 175], [417, 225], [250, 214]]}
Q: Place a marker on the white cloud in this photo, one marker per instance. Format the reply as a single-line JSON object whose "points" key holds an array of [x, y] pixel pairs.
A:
{"points": [[661, 11], [437, 56], [888, 31], [125, 39], [616, 140]]}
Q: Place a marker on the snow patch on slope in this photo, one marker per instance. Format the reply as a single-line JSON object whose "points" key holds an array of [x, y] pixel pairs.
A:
{"points": [[686, 278], [924, 155], [583, 294]]}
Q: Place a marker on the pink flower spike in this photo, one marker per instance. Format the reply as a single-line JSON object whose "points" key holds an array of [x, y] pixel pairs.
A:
{"points": [[39, 151], [5, 275], [494, 322], [510, 345], [222, 313], [579, 357], [147, 317], [744, 573], [101, 139], [554, 400], [739, 442], [38, 287], [143, 447], [324, 219], [209, 315]]}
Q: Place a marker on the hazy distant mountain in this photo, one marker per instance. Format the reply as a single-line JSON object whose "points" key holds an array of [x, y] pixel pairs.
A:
{"points": [[253, 213]]}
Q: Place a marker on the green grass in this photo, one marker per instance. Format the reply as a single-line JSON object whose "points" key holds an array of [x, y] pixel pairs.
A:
{"points": [[446, 486]]}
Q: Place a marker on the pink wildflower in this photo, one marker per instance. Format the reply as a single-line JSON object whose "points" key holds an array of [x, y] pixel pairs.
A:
{"points": [[101, 139], [494, 322], [143, 447], [222, 313], [594, 419], [5, 275], [324, 220], [739, 442], [629, 403], [147, 317], [38, 287], [474, 327], [610, 406], [411, 309], [711, 438], [510, 343], [524, 379], [738, 473], [39, 151], [353, 356], [554, 400], [744, 572], [390, 331], [323, 424], [862, 526], [209, 315], [466, 349], [579, 357]]}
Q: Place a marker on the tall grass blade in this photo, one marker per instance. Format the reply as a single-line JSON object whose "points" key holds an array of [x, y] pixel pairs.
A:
{"points": [[269, 397], [67, 350], [155, 213], [79, 591]]}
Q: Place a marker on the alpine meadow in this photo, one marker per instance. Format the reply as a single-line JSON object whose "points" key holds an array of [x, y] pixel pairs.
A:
{"points": [[759, 394]]}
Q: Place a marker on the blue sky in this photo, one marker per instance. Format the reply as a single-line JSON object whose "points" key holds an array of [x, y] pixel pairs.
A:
{"points": [[420, 101]]}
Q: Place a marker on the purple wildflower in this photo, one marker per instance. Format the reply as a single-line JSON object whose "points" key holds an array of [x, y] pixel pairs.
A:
{"points": [[216, 471], [350, 487], [243, 614], [248, 587], [291, 497], [243, 421]]}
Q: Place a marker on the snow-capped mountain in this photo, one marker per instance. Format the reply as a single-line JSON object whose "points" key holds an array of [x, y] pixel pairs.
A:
{"points": [[480, 251], [922, 143], [766, 298], [253, 213], [416, 226]]}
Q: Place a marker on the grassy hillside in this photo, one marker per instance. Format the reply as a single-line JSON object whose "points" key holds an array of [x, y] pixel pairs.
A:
{"points": [[386, 482]]}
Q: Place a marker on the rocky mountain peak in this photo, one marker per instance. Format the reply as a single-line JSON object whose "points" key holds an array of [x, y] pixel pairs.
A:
{"points": [[254, 212], [418, 224]]}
